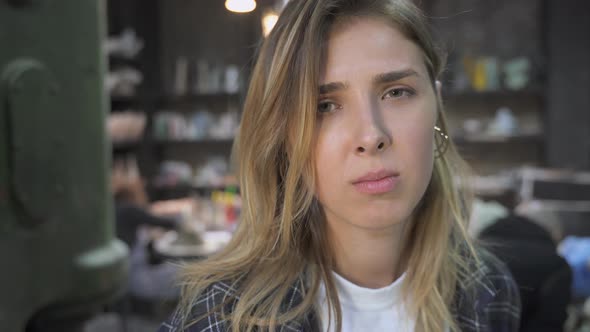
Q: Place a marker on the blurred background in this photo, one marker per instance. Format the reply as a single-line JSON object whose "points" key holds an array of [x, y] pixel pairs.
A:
{"points": [[118, 117]]}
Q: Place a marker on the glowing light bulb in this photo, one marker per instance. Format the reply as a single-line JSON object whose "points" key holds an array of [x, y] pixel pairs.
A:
{"points": [[269, 20], [240, 6]]}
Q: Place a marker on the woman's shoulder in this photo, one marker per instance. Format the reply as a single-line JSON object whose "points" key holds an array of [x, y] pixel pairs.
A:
{"points": [[488, 298], [205, 312], [208, 310], [490, 277]]}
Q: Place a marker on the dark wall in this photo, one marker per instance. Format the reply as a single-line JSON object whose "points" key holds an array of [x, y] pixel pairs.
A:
{"points": [[568, 118], [505, 28]]}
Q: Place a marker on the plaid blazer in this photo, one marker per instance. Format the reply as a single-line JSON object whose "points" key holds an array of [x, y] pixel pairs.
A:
{"points": [[493, 305]]}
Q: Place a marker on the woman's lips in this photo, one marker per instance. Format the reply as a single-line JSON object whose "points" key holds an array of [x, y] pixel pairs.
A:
{"points": [[379, 186]]}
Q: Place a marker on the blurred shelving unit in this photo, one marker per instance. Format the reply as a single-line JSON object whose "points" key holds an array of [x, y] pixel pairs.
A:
{"points": [[489, 152], [497, 61], [191, 53], [495, 87], [129, 54]]}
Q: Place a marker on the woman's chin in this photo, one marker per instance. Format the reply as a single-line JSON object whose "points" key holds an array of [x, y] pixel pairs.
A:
{"points": [[380, 221]]}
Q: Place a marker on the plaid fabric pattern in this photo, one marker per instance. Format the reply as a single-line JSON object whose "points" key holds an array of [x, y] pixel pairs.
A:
{"points": [[493, 305]]}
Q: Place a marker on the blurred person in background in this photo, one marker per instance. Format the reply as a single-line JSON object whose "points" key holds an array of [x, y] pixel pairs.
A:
{"points": [[136, 226], [526, 242]]}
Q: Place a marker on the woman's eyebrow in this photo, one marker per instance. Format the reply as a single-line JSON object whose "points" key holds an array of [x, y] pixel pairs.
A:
{"points": [[394, 76], [383, 78], [332, 87]]}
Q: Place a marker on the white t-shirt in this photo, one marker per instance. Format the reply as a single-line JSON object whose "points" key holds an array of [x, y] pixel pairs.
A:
{"points": [[366, 309]]}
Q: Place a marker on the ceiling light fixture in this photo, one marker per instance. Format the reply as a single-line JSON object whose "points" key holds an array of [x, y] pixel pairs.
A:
{"points": [[240, 6]]}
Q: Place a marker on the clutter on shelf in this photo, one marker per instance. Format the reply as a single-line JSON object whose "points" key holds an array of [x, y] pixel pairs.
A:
{"points": [[126, 126], [213, 173], [218, 211], [491, 73], [198, 125], [123, 81], [199, 76], [503, 125], [126, 45]]}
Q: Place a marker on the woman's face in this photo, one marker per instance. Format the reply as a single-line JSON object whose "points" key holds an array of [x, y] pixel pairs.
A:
{"points": [[376, 113]]}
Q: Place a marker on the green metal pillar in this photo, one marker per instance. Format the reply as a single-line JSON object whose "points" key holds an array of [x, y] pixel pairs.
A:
{"points": [[60, 258]]}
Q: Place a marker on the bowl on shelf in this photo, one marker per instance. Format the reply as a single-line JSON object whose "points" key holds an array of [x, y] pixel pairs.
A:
{"points": [[126, 126]]}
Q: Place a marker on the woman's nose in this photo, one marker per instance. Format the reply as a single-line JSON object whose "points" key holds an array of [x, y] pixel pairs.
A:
{"points": [[373, 144], [373, 137]]}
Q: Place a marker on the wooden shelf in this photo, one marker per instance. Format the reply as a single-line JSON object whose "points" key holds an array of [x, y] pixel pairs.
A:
{"points": [[116, 61], [125, 146], [534, 138], [182, 190], [163, 142], [125, 102], [187, 186], [470, 95], [192, 99]]}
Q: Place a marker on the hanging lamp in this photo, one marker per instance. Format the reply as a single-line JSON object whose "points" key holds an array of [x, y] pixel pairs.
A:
{"points": [[240, 6]]}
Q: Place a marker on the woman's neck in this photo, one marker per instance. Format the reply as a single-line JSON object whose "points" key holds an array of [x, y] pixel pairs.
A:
{"points": [[368, 258]]}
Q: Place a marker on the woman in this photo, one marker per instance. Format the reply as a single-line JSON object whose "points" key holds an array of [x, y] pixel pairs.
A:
{"points": [[352, 220]]}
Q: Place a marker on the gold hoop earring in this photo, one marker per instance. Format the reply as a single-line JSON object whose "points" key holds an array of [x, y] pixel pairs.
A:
{"points": [[441, 140]]}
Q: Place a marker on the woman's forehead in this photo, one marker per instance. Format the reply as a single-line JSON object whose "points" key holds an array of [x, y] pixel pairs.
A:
{"points": [[369, 44]]}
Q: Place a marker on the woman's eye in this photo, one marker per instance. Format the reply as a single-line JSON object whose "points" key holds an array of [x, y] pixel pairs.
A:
{"points": [[398, 93], [326, 107]]}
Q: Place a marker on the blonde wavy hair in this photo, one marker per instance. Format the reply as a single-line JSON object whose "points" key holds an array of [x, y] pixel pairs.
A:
{"points": [[281, 237]]}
